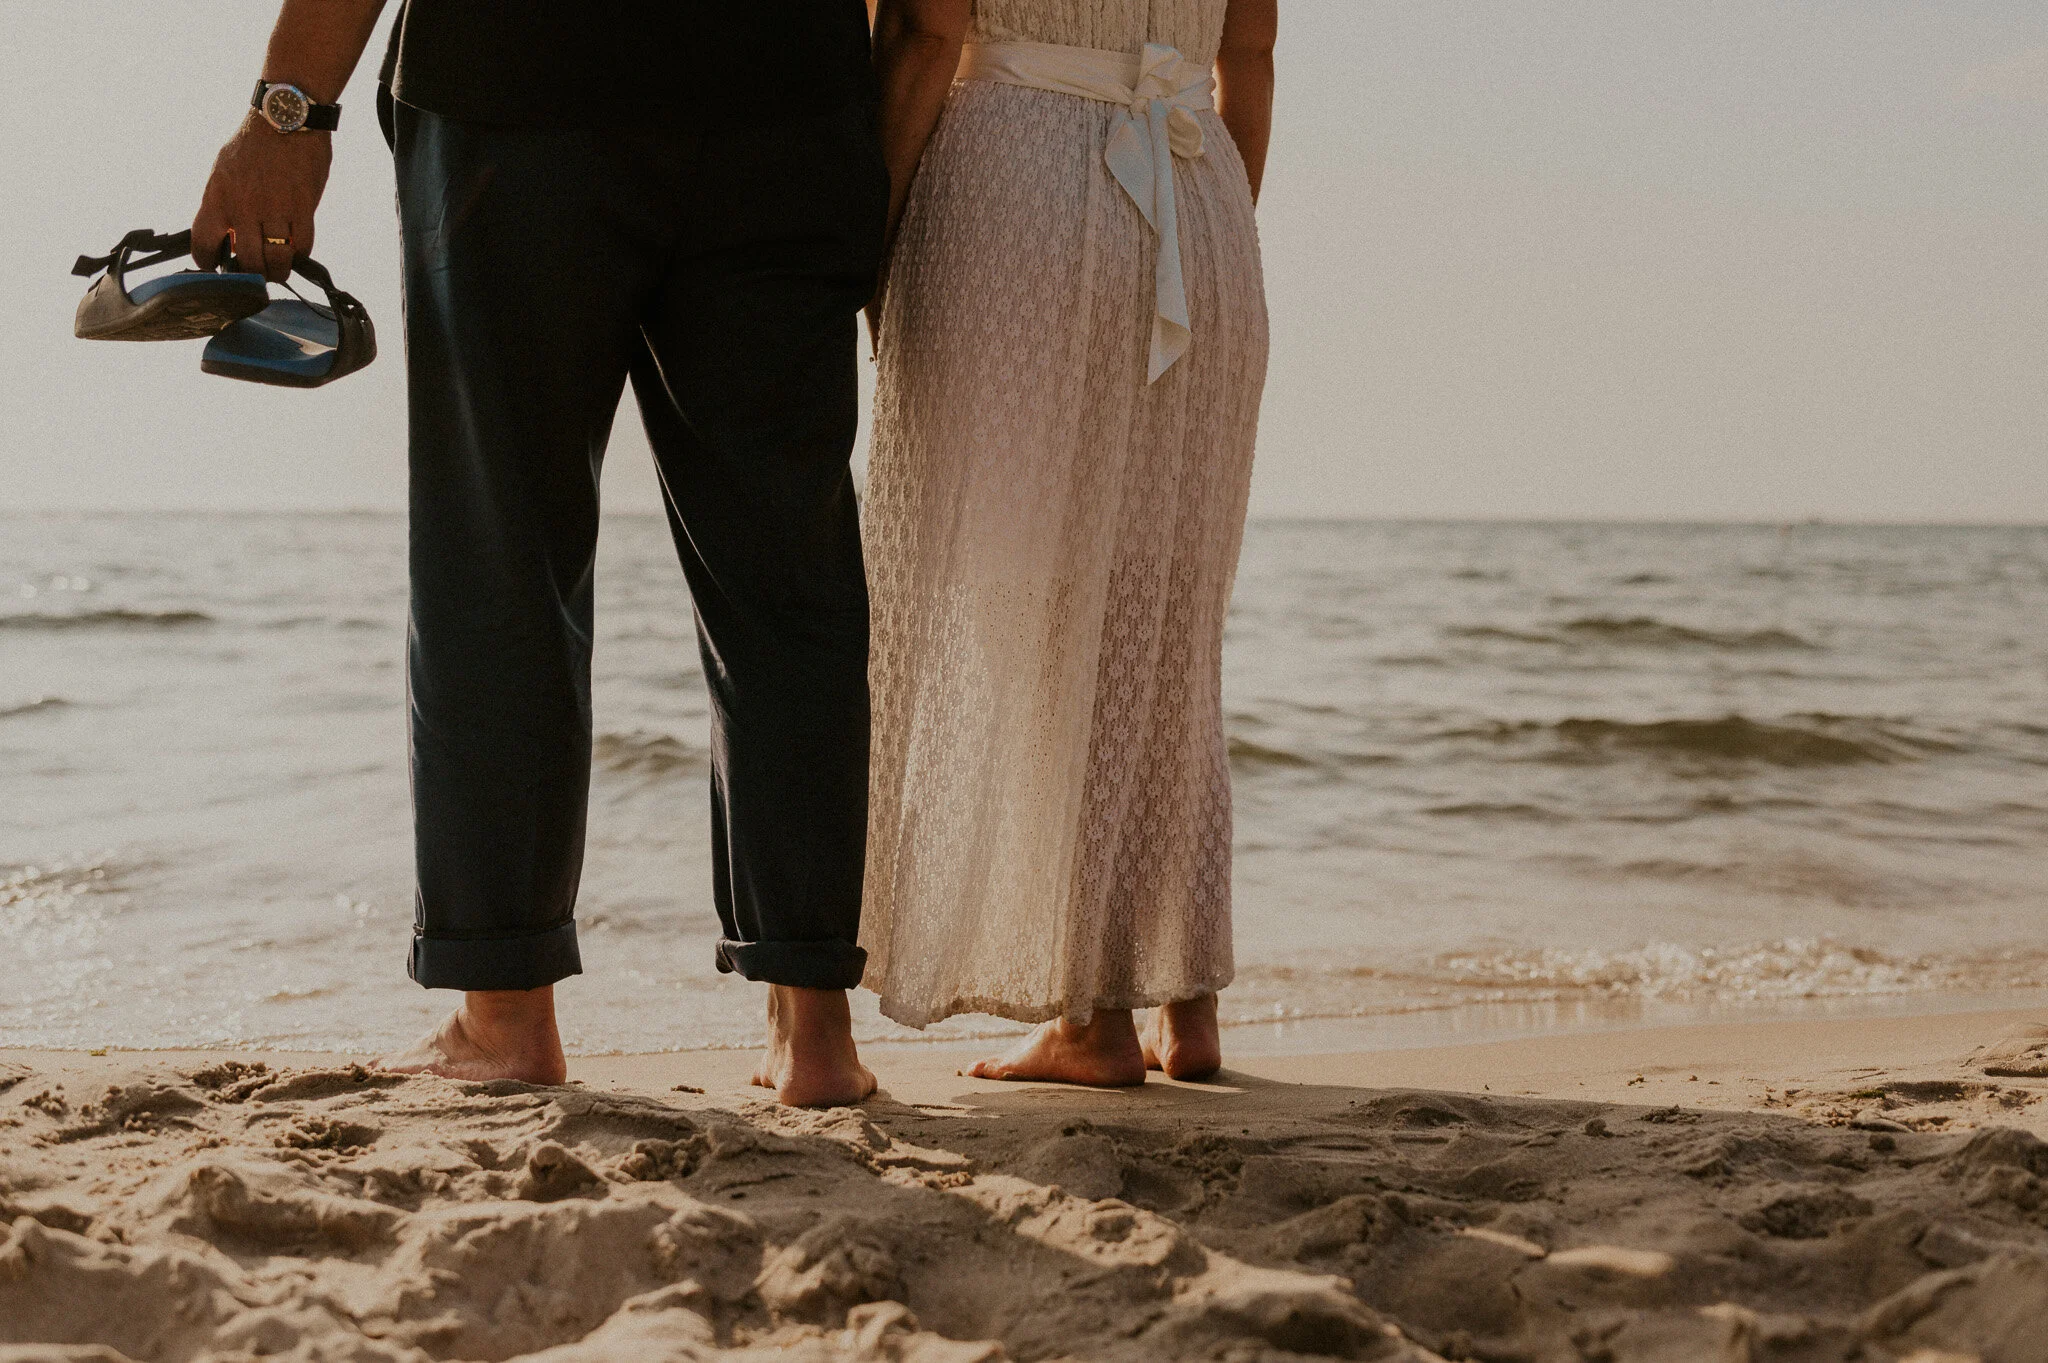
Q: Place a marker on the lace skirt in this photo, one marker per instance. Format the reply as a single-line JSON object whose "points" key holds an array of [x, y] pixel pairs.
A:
{"points": [[1051, 544]]}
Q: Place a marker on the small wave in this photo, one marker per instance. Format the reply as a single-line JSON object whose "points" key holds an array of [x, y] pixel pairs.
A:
{"points": [[646, 754], [1784, 969], [1802, 877], [39, 705], [1499, 635], [1813, 740], [1789, 968], [1247, 755], [2022, 742], [1721, 802], [1640, 631], [1480, 575], [346, 622], [1822, 741], [1486, 809], [288, 995], [1650, 632], [106, 619], [1643, 580]]}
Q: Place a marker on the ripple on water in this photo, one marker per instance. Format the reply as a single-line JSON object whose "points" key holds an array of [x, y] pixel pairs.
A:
{"points": [[41, 705], [118, 618], [1800, 740]]}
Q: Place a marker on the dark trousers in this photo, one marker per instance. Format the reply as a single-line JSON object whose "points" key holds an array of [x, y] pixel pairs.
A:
{"points": [[721, 273]]}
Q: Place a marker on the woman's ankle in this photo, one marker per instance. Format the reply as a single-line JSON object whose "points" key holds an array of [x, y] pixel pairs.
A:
{"points": [[1183, 1038], [1108, 1031]]}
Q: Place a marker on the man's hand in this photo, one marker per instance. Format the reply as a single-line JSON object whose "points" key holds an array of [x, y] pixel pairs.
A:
{"points": [[265, 183], [264, 190]]}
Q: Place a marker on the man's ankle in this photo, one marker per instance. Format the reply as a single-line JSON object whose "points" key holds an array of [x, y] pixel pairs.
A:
{"points": [[810, 1015], [510, 1013]]}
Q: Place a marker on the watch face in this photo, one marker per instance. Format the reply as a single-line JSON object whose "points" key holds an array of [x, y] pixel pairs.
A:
{"points": [[285, 107]]}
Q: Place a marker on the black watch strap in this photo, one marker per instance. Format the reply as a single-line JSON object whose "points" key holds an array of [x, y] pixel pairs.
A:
{"points": [[320, 118]]}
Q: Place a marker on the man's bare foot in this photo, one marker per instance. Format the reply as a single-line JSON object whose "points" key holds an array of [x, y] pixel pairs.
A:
{"points": [[1181, 1039], [811, 1060], [494, 1034], [1102, 1052]]}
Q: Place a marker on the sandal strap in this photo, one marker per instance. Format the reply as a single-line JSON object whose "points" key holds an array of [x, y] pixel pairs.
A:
{"points": [[170, 245], [167, 246], [343, 304]]}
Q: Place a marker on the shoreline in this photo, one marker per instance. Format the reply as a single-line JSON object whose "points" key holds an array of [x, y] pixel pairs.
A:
{"points": [[1451, 1027], [1741, 1058]]}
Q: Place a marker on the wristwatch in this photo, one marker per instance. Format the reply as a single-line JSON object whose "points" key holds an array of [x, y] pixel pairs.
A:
{"points": [[289, 109]]}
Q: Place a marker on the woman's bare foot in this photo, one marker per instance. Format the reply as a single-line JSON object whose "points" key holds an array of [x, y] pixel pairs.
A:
{"points": [[811, 1060], [1102, 1052], [494, 1034], [1181, 1039]]}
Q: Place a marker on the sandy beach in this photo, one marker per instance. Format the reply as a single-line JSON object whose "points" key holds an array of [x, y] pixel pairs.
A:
{"points": [[1796, 1190], [1504, 547]]}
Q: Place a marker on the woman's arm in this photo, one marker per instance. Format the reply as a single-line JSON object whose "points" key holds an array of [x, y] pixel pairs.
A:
{"points": [[1244, 81], [917, 50]]}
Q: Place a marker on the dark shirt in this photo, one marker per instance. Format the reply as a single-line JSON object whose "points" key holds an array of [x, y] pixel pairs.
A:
{"points": [[588, 63]]}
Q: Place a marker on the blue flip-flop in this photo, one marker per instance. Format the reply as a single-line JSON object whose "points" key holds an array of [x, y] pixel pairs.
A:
{"points": [[180, 306]]}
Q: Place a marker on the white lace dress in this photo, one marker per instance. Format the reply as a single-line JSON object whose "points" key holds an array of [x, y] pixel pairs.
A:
{"points": [[1051, 543]]}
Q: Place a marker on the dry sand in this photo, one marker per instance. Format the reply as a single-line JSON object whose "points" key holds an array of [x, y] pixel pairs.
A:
{"points": [[1782, 1191]]}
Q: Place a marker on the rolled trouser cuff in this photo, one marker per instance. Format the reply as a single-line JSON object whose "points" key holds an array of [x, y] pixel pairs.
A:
{"points": [[523, 960], [831, 964]]}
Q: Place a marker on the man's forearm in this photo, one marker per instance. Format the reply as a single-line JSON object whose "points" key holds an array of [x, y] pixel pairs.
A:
{"points": [[317, 43], [266, 185]]}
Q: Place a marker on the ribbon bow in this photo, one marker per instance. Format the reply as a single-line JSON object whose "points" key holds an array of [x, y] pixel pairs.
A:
{"points": [[1157, 125], [1156, 94]]}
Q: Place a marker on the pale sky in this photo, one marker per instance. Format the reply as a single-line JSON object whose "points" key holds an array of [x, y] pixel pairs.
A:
{"points": [[1724, 259]]}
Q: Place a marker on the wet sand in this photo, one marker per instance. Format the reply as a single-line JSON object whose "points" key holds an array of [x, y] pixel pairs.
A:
{"points": [[1796, 1190]]}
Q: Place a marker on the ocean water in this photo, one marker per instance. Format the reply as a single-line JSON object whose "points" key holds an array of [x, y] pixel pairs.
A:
{"points": [[1489, 777]]}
